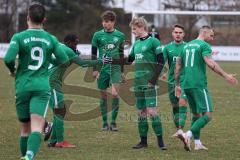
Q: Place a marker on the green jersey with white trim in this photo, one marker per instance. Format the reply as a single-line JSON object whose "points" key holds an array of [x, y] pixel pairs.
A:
{"points": [[145, 52], [34, 48], [170, 53], [194, 65], [108, 44]]}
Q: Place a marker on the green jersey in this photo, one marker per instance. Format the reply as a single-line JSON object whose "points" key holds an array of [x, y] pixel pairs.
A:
{"points": [[109, 44], [145, 52], [170, 53], [57, 71], [34, 48], [194, 65]]}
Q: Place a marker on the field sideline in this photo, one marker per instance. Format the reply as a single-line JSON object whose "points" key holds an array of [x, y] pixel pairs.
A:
{"points": [[221, 136]]}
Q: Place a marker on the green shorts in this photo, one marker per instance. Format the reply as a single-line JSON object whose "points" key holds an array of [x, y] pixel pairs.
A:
{"points": [[31, 102], [145, 97], [57, 99], [171, 94], [199, 100], [106, 79]]}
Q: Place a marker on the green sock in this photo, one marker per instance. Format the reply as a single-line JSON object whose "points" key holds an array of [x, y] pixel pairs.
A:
{"points": [[198, 125], [115, 108], [103, 107], [196, 134], [23, 145], [175, 115], [157, 125], [142, 126], [34, 142], [182, 116], [59, 127]]}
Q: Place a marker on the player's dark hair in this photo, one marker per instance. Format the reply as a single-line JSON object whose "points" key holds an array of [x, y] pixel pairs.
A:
{"points": [[36, 13], [109, 16], [70, 38], [178, 26]]}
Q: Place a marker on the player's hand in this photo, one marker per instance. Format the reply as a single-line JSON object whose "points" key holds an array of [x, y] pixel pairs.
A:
{"points": [[231, 79], [107, 60], [123, 78], [12, 74], [178, 91], [95, 74]]}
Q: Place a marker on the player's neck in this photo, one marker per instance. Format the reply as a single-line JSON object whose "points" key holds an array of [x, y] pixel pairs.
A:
{"points": [[178, 42], [109, 30], [200, 37], [35, 26]]}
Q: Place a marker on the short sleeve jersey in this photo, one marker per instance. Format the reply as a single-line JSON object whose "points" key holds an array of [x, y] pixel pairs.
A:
{"points": [[34, 48], [145, 53], [194, 65], [171, 52], [108, 44]]}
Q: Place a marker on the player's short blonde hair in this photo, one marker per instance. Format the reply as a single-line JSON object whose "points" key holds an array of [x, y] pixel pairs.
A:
{"points": [[139, 22]]}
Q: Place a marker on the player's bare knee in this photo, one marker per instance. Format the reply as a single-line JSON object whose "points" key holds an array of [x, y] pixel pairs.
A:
{"points": [[142, 113], [182, 102], [197, 115], [25, 129], [209, 114], [37, 123], [152, 112], [103, 94]]}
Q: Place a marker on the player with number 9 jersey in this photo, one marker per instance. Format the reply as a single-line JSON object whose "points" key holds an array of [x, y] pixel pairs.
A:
{"points": [[34, 48]]}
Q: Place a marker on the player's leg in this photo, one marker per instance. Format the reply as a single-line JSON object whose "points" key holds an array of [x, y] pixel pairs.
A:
{"points": [[203, 106], [174, 102], [22, 108], [186, 137], [142, 119], [115, 81], [115, 106], [38, 110], [58, 121], [103, 84], [151, 103], [182, 109]]}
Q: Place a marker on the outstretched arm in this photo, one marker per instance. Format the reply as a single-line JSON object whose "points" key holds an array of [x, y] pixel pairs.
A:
{"points": [[86, 63], [217, 69]]}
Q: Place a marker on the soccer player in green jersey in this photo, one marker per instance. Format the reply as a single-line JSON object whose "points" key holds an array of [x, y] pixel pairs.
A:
{"points": [[34, 48], [193, 58], [57, 95], [171, 52], [147, 54], [109, 42]]}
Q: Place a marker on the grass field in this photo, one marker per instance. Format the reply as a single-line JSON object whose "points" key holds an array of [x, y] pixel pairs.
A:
{"points": [[221, 136]]}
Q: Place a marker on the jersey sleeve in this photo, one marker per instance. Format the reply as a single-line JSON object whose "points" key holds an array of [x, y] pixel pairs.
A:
{"points": [[70, 53], [157, 46], [94, 40], [59, 52], [206, 50], [11, 54], [165, 53]]}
